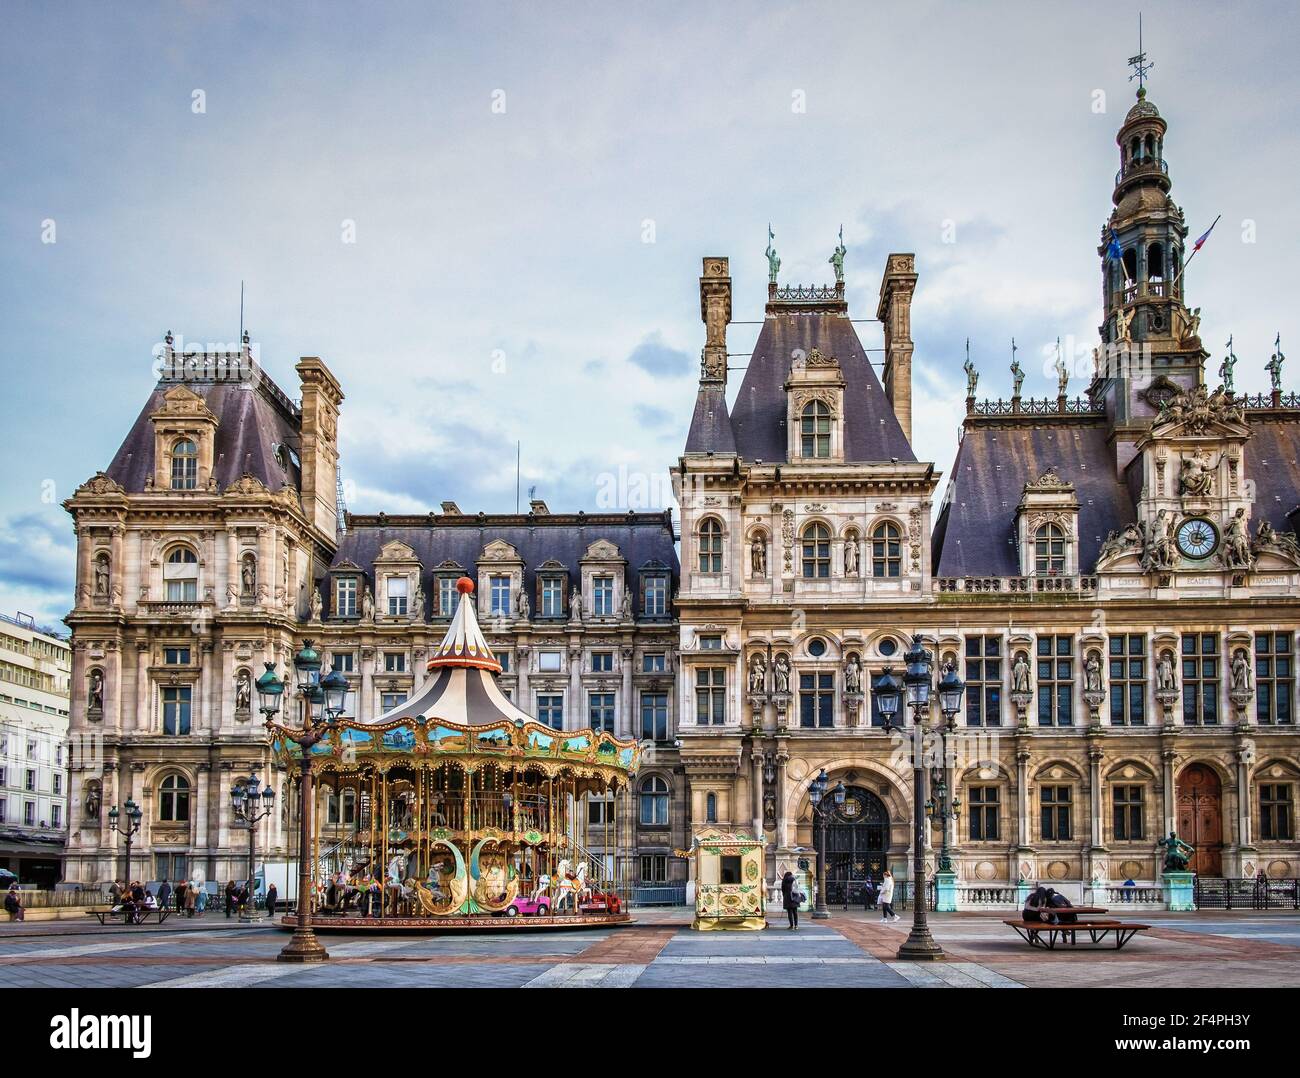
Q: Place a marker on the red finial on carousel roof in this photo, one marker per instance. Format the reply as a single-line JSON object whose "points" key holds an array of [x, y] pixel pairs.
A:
{"points": [[465, 585]]}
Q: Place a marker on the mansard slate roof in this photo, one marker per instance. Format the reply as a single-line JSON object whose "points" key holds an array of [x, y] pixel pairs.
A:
{"points": [[253, 417], [975, 533], [1272, 465], [641, 538], [757, 428]]}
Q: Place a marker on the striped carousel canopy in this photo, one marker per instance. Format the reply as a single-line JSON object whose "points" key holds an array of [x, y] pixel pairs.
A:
{"points": [[462, 685]]}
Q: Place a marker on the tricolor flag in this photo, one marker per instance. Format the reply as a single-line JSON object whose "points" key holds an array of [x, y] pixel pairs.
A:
{"points": [[1204, 236]]}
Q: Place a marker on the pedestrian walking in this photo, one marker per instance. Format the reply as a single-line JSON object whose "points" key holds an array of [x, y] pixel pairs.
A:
{"points": [[201, 899], [190, 898], [14, 904], [271, 898], [164, 894], [887, 897], [791, 898]]}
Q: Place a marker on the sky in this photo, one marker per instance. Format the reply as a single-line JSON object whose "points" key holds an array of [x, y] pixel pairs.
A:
{"points": [[489, 219]]}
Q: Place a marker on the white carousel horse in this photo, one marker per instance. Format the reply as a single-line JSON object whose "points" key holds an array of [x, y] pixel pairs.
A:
{"points": [[572, 885], [543, 887]]}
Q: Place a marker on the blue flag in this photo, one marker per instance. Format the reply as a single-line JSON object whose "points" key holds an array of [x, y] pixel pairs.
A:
{"points": [[1112, 248]]}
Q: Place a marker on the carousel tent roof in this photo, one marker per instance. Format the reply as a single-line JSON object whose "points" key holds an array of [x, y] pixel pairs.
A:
{"points": [[462, 687]]}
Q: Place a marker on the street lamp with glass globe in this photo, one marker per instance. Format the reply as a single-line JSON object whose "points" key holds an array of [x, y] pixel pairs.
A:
{"points": [[129, 829], [823, 807], [251, 808]]}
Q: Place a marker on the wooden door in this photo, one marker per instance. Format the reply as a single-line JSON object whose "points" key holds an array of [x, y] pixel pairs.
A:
{"points": [[1200, 818]]}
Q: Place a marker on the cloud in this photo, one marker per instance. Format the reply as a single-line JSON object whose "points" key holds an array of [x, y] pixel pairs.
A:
{"points": [[650, 416], [38, 553], [654, 357]]}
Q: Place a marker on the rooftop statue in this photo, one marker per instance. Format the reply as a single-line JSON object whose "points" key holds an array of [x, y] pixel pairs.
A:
{"points": [[836, 259], [773, 262]]}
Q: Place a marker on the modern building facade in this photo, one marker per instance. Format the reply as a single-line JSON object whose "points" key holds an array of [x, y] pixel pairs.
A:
{"points": [[35, 675]]}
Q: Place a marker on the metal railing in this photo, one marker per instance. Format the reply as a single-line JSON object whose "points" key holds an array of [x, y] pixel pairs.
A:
{"points": [[659, 894], [1246, 894]]}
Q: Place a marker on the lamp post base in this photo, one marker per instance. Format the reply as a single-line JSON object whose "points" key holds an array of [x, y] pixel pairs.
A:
{"points": [[821, 915], [303, 947], [920, 947]]}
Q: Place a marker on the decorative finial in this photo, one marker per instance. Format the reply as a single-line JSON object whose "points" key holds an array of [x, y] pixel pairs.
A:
{"points": [[1139, 63], [465, 585]]}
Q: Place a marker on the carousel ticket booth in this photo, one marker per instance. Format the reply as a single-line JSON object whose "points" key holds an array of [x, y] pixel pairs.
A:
{"points": [[728, 881]]}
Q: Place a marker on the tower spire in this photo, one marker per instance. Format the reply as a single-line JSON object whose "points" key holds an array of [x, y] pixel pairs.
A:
{"points": [[1140, 64]]}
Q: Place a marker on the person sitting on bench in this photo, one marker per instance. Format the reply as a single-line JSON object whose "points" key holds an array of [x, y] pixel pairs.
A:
{"points": [[1035, 903], [1054, 911]]}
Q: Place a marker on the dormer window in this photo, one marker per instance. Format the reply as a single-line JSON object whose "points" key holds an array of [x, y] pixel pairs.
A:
{"points": [[396, 589], [1049, 550], [499, 595], [815, 429], [602, 596], [552, 596], [446, 596], [185, 465], [345, 597]]}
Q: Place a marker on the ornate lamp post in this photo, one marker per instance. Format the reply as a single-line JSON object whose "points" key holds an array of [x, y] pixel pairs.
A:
{"points": [[822, 808], [131, 827], [945, 804], [251, 809], [314, 697]]}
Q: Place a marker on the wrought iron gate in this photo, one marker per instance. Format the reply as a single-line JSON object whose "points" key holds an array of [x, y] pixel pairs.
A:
{"points": [[857, 839]]}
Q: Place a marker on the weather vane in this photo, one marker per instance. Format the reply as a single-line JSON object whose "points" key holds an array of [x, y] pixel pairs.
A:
{"points": [[1139, 63]]}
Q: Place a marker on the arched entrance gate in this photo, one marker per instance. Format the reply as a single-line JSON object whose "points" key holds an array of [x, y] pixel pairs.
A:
{"points": [[857, 839]]}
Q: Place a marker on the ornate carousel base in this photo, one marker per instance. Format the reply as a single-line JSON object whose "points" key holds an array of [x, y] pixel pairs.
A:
{"points": [[479, 923]]}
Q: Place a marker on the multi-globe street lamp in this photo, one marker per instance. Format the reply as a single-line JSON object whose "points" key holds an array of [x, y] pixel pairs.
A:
{"points": [[250, 808], [823, 807], [128, 831], [320, 703], [917, 685]]}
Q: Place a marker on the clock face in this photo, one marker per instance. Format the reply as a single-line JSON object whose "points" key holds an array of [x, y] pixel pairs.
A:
{"points": [[1197, 538]]}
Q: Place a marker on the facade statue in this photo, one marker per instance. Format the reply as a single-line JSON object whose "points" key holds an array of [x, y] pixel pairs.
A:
{"points": [[91, 804], [1124, 324], [1177, 852], [627, 603], [781, 673], [1062, 371], [1092, 673], [1017, 377], [1193, 325], [1268, 538], [1236, 543], [1274, 365], [1125, 541], [1159, 547], [1226, 368], [243, 691], [972, 375], [1196, 477], [1166, 680], [417, 601], [101, 577], [851, 554], [95, 697], [853, 675], [575, 605], [773, 262], [758, 674], [1020, 674], [248, 575], [317, 604], [367, 604], [1242, 682], [522, 605], [758, 557], [837, 258]]}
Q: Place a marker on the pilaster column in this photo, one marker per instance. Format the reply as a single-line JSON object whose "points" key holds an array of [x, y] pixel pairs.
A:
{"points": [[117, 571], [143, 690], [1022, 797], [782, 819], [756, 761], [365, 700], [573, 714], [1167, 773], [1244, 838], [626, 710], [1094, 780], [523, 656], [202, 810]]}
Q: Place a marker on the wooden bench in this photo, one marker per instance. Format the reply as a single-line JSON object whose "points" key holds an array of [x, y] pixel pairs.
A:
{"points": [[102, 916], [1032, 932]]}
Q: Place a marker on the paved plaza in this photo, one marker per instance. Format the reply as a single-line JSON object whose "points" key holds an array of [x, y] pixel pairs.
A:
{"points": [[1211, 949]]}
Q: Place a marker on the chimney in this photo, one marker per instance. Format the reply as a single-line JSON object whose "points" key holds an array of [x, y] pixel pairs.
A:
{"points": [[538, 507], [895, 312], [451, 509], [319, 431], [715, 310]]}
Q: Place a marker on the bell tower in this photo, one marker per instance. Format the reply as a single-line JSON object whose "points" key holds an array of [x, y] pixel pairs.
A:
{"points": [[1151, 346]]}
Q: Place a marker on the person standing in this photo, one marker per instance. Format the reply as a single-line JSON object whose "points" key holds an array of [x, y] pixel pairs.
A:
{"points": [[179, 896], [190, 898], [272, 896], [887, 897], [14, 904], [164, 894], [230, 897], [790, 899]]}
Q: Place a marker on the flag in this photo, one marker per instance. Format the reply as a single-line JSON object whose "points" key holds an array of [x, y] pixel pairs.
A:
{"points": [[1112, 248], [1204, 236]]}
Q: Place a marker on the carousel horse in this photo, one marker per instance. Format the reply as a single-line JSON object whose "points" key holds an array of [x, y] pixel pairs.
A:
{"points": [[543, 887], [571, 884]]}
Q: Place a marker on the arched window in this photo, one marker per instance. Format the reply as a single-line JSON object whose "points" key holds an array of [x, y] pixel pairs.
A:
{"points": [[181, 575], [1155, 262], [815, 429], [816, 552], [1049, 550], [185, 465], [1130, 264], [174, 799], [886, 550], [711, 546], [654, 802], [711, 808]]}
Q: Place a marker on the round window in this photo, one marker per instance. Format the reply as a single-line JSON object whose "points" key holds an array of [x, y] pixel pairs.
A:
{"points": [[888, 646], [817, 648]]}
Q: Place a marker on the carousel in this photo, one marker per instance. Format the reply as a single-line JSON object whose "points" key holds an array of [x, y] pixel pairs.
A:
{"points": [[457, 810]]}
